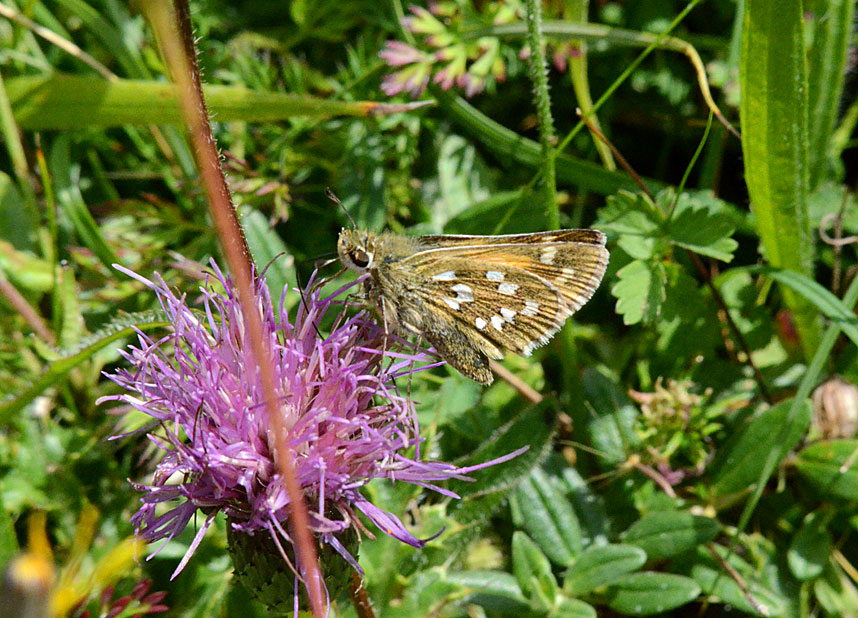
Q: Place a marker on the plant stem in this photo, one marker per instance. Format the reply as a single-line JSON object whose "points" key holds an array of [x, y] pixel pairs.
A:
{"points": [[539, 76]]}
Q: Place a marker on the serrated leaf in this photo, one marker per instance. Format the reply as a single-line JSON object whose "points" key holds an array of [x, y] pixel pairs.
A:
{"points": [[669, 533], [740, 462], [548, 517], [635, 219], [532, 570], [649, 593], [601, 565], [640, 291], [695, 228], [822, 465], [810, 548]]}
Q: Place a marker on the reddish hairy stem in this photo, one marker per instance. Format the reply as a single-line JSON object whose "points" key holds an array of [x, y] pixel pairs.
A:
{"points": [[177, 44]]}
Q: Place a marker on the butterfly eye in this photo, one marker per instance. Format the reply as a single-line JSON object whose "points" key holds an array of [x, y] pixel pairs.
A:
{"points": [[359, 258]]}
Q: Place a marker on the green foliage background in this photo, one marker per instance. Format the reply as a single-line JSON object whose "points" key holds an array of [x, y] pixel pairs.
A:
{"points": [[677, 465]]}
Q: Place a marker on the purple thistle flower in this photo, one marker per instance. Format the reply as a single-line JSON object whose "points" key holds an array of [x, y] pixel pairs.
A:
{"points": [[346, 422]]}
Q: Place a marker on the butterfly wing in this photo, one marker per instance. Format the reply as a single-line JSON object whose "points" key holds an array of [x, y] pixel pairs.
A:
{"points": [[484, 294]]}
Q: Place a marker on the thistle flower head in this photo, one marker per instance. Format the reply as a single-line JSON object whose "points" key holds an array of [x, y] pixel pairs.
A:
{"points": [[345, 421]]}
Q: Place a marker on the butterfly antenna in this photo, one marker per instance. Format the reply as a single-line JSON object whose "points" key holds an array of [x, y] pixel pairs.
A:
{"points": [[333, 197]]}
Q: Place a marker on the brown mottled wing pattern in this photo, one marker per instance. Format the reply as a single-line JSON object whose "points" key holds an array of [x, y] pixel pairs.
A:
{"points": [[485, 294]]}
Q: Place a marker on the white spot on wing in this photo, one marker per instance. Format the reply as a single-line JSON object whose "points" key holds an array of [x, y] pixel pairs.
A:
{"points": [[463, 292], [508, 288], [481, 323], [497, 321], [447, 275], [452, 303], [568, 274], [494, 275], [508, 314], [546, 256], [531, 308]]}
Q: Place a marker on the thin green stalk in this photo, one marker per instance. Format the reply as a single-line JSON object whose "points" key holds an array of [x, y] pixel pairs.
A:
{"points": [[9, 130], [539, 76], [581, 83]]}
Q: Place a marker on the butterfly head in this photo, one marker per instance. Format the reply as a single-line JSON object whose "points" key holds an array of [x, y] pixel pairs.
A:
{"points": [[356, 249]]}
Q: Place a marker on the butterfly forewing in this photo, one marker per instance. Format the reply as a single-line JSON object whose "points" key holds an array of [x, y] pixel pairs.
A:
{"points": [[517, 293]]}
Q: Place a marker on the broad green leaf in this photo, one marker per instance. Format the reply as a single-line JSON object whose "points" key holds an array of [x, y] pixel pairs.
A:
{"points": [[810, 549], [640, 291], [669, 533], [773, 82], [463, 179], [611, 418], [533, 572], [829, 25], [547, 517], [601, 565], [649, 593], [57, 101], [822, 465], [503, 212], [269, 251], [119, 328], [740, 462], [693, 226]]}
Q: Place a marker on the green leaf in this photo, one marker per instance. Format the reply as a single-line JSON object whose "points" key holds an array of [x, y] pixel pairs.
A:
{"points": [[740, 462], [829, 24], [611, 421], [548, 517], [640, 291], [716, 583], [532, 570], [268, 250], [601, 565], [648, 593], [496, 591], [588, 506], [822, 465], [832, 307], [669, 533], [19, 226], [58, 101], [773, 109], [573, 608], [426, 593], [635, 219], [810, 549], [694, 227]]}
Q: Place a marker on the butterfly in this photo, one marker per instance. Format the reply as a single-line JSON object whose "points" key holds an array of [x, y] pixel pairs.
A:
{"points": [[474, 297]]}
